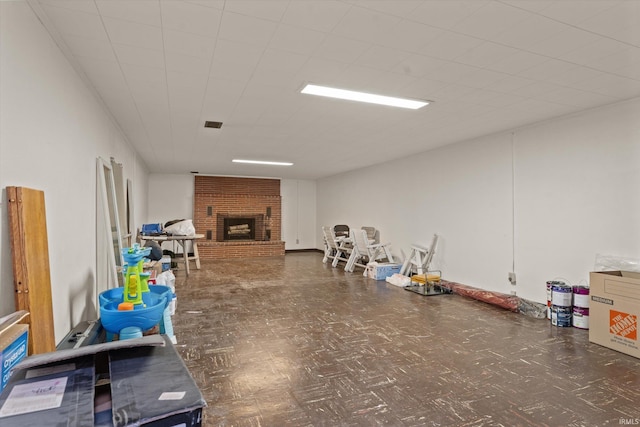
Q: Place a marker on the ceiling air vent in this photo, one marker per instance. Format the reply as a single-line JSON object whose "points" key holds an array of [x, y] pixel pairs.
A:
{"points": [[215, 125]]}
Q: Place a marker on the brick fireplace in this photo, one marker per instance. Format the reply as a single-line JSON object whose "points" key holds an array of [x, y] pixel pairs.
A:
{"points": [[240, 217]]}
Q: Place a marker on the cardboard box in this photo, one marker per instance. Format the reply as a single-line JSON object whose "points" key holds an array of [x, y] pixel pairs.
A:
{"points": [[145, 379], [14, 340], [166, 263], [382, 270], [614, 310]]}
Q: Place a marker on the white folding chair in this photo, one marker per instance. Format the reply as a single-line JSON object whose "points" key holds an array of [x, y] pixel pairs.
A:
{"points": [[330, 247], [343, 248], [420, 258], [359, 254], [372, 234]]}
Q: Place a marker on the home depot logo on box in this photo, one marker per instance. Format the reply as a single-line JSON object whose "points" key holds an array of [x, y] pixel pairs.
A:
{"points": [[623, 324]]}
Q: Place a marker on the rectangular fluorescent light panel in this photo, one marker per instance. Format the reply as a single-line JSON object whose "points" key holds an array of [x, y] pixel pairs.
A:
{"points": [[363, 97], [262, 162]]}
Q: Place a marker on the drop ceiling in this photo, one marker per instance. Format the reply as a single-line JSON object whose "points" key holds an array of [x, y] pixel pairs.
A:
{"points": [[164, 67]]}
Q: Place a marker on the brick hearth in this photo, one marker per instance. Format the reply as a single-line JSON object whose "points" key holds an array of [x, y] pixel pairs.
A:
{"points": [[216, 197]]}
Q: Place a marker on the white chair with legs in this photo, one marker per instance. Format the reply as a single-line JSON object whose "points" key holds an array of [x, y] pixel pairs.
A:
{"points": [[372, 234], [343, 248], [364, 251], [420, 258], [330, 247], [359, 255]]}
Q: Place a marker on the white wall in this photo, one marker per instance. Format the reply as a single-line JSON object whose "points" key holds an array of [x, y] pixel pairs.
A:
{"points": [[298, 214], [573, 190], [52, 129], [577, 183], [170, 197]]}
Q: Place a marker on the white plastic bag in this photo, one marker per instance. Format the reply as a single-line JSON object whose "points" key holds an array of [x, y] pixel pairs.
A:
{"points": [[167, 278], [182, 228]]}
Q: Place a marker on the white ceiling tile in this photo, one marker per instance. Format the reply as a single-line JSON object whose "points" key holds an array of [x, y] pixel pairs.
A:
{"points": [[574, 77], [595, 51], [270, 74], [186, 64], [615, 86], [80, 6], [450, 72], [190, 18], [133, 34], [419, 66], [540, 109], [531, 5], [287, 63], [246, 29], [188, 44], [357, 78], [450, 45], [156, 118], [75, 23], [632, 72], [296, 39], [490, 20], [445, 14], [321, 71], [480, 78], [565, 41], [185, 91], [403, 8], [221, 98], [609, 21], [393, 84], [272, 10], [423, 88], [381, 58], [548, 70], [629, 34], [145, 80], [406, 35], [509, 84], [319, 15], [529, 32], [365, 25], [84, 47], [341, 49], [267, 92], [535, 89], [518, 62], [452, 92], [216, 4], [231, 71], [247, 72], [576, 98], [486, 54], [238, 53], [247, 112], [502, 100], [134, 55], [573, 12], [141, 12]]}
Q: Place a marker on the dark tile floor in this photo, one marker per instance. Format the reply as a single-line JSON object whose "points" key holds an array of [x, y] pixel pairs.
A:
{"points": [[290, 341]]}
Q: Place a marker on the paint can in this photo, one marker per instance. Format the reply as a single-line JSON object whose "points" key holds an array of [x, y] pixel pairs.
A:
{"points": [[581, 296], [561, 295], [560, 316], [549, 285], [580, 317]]}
